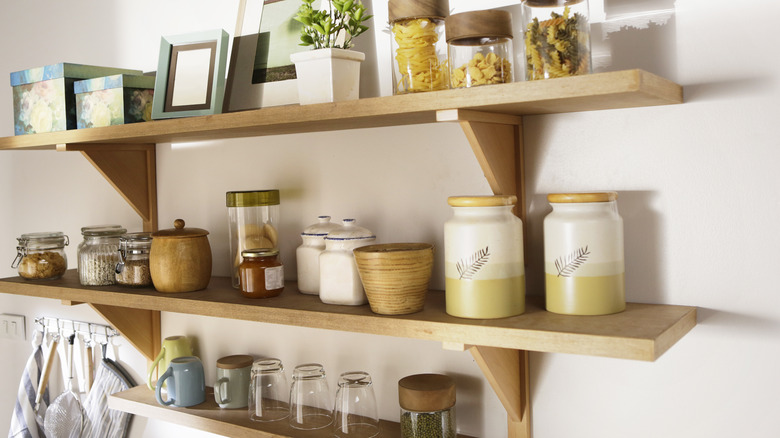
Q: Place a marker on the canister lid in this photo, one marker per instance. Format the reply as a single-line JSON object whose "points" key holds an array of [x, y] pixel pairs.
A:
{"points": [[253, 198], [562, 198], [236, 361], [549, 3], [136, 237], [350, 231], [476, 24], [405, 9], [259, 252], [321, 228], [482, 201], [109, 231], [426, 392], [44, 240], [178, 231], [92, 227]]}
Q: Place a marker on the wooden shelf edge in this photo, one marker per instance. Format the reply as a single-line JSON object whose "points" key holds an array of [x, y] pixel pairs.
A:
{"points": [[208, 417], [611, 90]]}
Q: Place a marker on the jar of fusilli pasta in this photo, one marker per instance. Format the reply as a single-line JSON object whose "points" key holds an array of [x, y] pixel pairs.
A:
{"points": [[479, 45], [419, 48], [557, 38]]}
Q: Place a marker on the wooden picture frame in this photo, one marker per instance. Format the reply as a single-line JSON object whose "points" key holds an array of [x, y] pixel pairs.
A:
{"points": [[242, 89], [190, 75]]}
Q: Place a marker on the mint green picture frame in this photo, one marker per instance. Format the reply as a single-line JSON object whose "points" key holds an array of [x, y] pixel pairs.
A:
{"points": [[165, 83]]}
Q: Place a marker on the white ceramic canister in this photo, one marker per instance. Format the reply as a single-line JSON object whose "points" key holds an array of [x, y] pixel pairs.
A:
{"points": [[308, 254], [583, 254], [339, 277], [483, 258]]}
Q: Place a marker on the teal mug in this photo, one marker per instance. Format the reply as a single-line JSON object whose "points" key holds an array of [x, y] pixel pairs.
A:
{"points": [[186, 383]]}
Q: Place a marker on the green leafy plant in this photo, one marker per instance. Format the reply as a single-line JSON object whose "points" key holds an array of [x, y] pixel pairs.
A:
{"points": [[321, 28]]}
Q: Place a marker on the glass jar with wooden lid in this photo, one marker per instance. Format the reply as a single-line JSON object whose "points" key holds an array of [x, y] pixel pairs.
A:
{"points": [[419, 48], [479, 45], [427, 406], [556, 34]]}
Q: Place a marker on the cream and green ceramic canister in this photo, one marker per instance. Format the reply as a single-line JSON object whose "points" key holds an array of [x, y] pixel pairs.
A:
{"points": [[483, 258], [583, 254]]}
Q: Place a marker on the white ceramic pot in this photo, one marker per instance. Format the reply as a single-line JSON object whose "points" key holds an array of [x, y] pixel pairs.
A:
{"points": [[308, 254], [339, 277], [327, 75]]}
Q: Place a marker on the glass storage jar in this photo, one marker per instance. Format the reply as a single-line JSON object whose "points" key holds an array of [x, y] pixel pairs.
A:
{"points": [[261, 274], [133, 267], [483, 258], [307, 255], [583, 254], [98, 256], [419, 48], [427, 406], [556, 34], [479, 46], [253, 223], [41, 256]]}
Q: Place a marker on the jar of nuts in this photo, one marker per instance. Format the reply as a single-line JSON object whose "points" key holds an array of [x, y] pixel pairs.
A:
{"points": [[479, 45], [41, 256]]}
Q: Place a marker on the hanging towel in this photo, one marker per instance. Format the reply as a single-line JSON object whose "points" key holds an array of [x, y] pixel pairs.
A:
{"points": [[102, 422], [23, 422]]}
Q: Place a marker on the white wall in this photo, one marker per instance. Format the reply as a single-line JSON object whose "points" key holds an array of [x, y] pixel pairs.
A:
{"points": [[698, 191]]}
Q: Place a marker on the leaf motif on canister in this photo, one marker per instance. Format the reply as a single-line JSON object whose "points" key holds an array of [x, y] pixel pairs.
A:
{"points": [[566, 265], [468, 267]]}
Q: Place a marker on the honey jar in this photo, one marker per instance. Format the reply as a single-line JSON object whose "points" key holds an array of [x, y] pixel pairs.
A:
{"points": [[261, 274]]}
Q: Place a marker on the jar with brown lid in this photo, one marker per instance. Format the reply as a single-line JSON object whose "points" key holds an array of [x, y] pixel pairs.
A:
{"points": [[427, 406], [556, 34], [419, 48], [261, 274], [479, 45]]}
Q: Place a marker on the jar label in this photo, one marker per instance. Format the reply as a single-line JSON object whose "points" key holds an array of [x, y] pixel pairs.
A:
{"points": [[274, 278]]}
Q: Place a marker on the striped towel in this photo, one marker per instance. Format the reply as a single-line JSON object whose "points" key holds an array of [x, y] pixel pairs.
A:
{"points": [[102, 422], [23, 422]]}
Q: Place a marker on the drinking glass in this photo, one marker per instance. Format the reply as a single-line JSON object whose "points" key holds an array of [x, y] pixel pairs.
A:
{"points": [[268, 396], [310, 398], [355, 413]]}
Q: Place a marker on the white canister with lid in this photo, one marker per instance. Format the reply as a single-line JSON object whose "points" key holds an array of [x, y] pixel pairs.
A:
{"points": [[339, 277], [308, 254], [583, 254]]}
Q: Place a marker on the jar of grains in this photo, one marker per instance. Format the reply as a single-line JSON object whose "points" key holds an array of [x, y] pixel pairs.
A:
{"points": [[133, 267], [427, 406], [98, 256], [479, 45], [419, 48], [41, 256], [557, 38]]}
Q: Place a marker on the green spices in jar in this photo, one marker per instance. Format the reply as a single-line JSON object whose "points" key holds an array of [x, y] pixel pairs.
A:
{"points": [[427, 406], [439, 424]]}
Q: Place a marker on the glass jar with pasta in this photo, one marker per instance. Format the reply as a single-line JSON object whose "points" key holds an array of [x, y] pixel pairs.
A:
{"points": [[479, 45], [419, 49], [557, 38]]}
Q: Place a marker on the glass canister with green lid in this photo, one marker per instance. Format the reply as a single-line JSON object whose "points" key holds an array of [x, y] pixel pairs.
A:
{"points": [[98, 255], [253, 223], [41, 256]]}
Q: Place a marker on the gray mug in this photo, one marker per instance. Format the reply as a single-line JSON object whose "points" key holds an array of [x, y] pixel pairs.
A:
{"points": [[186, 383], [231, 390]]}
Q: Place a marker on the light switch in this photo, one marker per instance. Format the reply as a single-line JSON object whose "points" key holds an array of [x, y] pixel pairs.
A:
{"points": [[12, 327]]}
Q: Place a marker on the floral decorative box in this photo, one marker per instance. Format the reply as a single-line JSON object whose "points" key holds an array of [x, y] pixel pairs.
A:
{"points": [[113, 100], [43, 97]]}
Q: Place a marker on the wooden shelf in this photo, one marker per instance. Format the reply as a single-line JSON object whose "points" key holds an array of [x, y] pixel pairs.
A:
{"points": [[621, 89], [208, 417], [641, 332]]}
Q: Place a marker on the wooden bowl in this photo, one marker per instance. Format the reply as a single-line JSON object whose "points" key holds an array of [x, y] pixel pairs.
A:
{"points": [[395, 276]]}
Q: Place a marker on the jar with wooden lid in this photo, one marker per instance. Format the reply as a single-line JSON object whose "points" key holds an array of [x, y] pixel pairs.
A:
{"points": [[253, 221], [483, 258], [98, 255], [427, 406], [479, 45], [556, 34], [419, 48], [261, 274], [133, 267], [583, 254], [41, 256]]}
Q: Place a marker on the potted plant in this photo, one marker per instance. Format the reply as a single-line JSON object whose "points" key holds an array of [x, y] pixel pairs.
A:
{"points": [[330, 72]]}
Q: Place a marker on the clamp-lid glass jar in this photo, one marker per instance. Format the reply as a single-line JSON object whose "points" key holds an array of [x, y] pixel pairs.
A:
{"points": [[41, 256], [557, 38], [427, 406], [133, 267], [98, 256], [419, 48], [253, 222], [261, 273], [479, 45]]}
